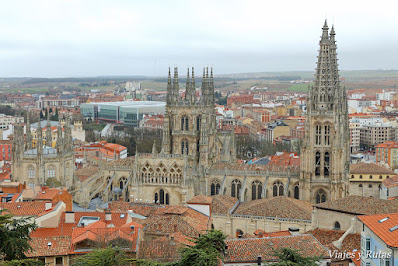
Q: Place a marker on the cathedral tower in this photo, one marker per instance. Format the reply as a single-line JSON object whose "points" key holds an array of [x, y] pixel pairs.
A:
{"points": [[324, 169], [190, 124]]}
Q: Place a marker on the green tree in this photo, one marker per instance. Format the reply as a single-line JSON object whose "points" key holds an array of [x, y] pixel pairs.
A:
{"points": [[208, 250], [291, 257], [14, 237], [103, 257]]}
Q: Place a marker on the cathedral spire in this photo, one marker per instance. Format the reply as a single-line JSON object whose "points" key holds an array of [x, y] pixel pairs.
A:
{"points": [[28, 133], [48, 131], [326, 86], [325, 29], [169, 88], [187, 87], [176, 87], [193, 95]]}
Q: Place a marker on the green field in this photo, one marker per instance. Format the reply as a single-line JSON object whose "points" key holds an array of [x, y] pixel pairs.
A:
{"points": [[299, 87]]}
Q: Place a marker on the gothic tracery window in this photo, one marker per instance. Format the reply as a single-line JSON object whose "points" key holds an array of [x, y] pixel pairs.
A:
{"points": [[326, 164], [277, 189], [51, 172], [327, 134], [257, 188], [184, 123], [184, 147], [236, 186], [31, 172], [162, 197], [317, 163], [318, 135], [215, 187], [320, 196], [198, 121]]}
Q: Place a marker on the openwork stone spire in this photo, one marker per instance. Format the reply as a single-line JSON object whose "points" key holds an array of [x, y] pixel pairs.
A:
{"points": [[326, 93]]}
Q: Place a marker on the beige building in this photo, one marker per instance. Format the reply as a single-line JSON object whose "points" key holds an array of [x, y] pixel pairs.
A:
{"points": [[341, 214], [366, 179], [372, 135], [37, 165]]}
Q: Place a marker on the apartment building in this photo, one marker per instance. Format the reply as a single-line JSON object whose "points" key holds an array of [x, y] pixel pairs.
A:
{"points": [[387, 153], [372, 135]]}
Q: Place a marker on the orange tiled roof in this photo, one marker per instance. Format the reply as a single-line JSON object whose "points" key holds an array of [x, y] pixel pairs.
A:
{"points": [[283, 207], [200, 199], [360, 205], [26, 208], [222, 204], [247, 250], [48, 194], [60, 246], [84, 173], [370, 168], [326, 237], [383, 229], [391, 182]]}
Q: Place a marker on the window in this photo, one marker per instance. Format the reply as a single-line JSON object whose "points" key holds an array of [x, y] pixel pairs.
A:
{"points": [[184, 123], [317, 163], [257, 188], [59, 261], [215, 187], [352, 176], [327, 134], [360, 177], [297, 192], [318, 134], [370, 177], [184, 147], [370, 186], [162, 197], [236, 185], [31, 172], [337, 226], [360, 185], [367, 244], [277, 189], [198, 121], [326, 164], [380, 177], [320, 196], [51, 172]]}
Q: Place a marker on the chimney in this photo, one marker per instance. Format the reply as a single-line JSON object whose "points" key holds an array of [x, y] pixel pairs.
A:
{"points": [[69, 217], [294, 231], [260, 234], [48, 205], [108, 216], [259, 260]]}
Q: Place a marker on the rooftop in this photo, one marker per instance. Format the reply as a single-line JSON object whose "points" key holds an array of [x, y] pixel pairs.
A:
{"points": [[370, 168], [247, 250], [360, 205], [384, 226]]}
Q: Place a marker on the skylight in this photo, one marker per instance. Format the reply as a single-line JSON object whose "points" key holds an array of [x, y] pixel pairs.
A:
{"points": [[122, 215], [383, 220], [393, 228]]}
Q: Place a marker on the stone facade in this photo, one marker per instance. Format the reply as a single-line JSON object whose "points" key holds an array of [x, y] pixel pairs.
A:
{"points": [[35, 165], [197, 159], [325, 156]]}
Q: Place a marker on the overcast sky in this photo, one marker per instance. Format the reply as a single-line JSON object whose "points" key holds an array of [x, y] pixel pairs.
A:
{"points": [[143, 37]]}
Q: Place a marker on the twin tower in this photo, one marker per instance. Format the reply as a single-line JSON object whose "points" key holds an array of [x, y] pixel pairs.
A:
{"points": [[207, 98]]}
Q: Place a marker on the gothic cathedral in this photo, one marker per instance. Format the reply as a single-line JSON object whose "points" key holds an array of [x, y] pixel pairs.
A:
{"points": [[324, 169]]}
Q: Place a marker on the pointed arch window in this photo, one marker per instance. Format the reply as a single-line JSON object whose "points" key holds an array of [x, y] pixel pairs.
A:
{"points": [[198, 121], [326, 164], [257, 188], [320, 196], [184, 147], [277, 189], [184, 123], [318, 130], [215, 187], [327, 134], [297, 192], [317, 163], [31, 172], [236, 186], [162, 197]]}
